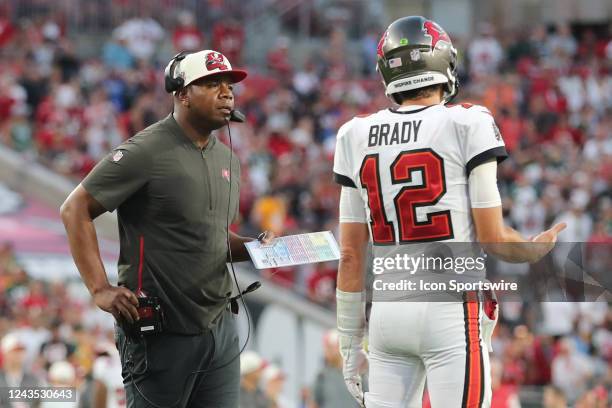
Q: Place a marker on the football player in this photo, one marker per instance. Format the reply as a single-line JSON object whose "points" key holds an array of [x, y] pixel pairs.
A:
{"points": [[108, 391], [421, 172]]}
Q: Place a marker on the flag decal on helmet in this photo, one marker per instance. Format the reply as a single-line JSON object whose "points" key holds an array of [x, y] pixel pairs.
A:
{"points": [[395, 62]]}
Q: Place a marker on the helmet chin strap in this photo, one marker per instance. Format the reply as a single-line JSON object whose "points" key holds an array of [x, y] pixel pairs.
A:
{"points": [[450, 95], [393, 98]]}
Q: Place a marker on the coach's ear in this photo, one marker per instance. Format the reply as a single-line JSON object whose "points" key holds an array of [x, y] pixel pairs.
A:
{"points": [[183, 96]]}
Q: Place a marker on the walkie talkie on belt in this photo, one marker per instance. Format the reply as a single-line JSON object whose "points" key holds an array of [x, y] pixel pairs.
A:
{"points": [[150, 313], [151, 317]]}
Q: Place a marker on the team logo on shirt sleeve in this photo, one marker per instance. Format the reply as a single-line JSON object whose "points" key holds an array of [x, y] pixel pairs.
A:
{"points": [[225, 173], [117, 156]]}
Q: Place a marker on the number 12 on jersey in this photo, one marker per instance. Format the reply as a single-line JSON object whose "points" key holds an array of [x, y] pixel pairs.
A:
{"points": [[438, 225]]}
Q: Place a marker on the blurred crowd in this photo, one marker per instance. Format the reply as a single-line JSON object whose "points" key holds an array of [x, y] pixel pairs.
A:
{"points": [[53, 335], [568, 352], [549, 88]]}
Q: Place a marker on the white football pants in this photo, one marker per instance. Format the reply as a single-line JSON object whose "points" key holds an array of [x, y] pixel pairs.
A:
{"points": [[443, 343]]}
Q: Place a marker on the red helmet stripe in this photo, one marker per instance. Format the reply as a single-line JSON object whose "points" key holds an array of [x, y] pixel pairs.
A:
{"points": [[381, 43]]}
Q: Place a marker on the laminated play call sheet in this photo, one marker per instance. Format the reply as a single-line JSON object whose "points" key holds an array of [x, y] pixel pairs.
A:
{"points": [[294, 250]]}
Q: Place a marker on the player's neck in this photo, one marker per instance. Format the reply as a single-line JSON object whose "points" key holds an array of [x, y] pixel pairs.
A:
{"points": [[426, 101]]}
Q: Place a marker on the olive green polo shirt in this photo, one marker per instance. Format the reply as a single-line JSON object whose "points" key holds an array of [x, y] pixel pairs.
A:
{"points": [[172, 206]]}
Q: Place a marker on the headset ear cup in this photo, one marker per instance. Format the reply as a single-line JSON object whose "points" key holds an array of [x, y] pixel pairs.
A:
{"points": [[172, 84], [179, 82]]}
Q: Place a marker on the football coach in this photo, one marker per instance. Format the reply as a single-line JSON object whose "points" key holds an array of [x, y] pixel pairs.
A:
{"points": [[175, 188]]}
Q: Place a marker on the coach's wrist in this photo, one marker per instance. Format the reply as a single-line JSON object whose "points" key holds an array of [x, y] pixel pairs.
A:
{"points": [[100, 287]]}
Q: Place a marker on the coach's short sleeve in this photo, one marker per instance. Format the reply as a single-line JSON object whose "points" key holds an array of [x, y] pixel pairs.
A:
{"points": [[342, 157], [483, 141], [119, 175]]}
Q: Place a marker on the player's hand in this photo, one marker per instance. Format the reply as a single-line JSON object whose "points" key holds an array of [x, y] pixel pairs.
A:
{"points": [[266, 238], [489, 321], [118, 301], [354, 363], [353, 381], [547, 239]]}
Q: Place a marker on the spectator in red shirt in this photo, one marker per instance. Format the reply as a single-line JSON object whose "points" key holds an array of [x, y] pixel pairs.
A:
{"points": [[511, 126], [514, 366], [279, 144], [278, 59], [601, 235], [554, 97], [538, 357], [6, 30], [543, 118], [504, 395], [322, 283], [228, 37], [562, 130], [186, 35], [36, 298], [283, 276]]}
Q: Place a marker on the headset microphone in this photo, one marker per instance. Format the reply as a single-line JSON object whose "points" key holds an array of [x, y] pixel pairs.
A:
{"points": [[237, 116], [251, 288], [234, 300]]}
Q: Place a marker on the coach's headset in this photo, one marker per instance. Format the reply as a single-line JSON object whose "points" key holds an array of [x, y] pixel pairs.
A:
{"points": [[173, 84]]}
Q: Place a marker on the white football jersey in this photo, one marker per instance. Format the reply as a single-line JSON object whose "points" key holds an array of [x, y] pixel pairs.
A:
{"points": [[107, 369], [411, 167]]}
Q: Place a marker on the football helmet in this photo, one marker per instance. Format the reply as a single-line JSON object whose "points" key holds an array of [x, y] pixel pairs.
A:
{"points": [[415, 52]]}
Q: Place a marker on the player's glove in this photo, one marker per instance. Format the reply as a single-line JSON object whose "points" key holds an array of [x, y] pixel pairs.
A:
{"points": [[351, 329], [489, 320]]}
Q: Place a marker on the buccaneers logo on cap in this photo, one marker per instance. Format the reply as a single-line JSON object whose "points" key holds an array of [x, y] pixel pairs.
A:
{"points": [[215, 60], [435, 32]]}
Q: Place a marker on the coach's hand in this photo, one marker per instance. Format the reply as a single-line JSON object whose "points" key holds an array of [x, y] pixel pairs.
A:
{"points": [[354, 363], [266, 238], [118, 301]]}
